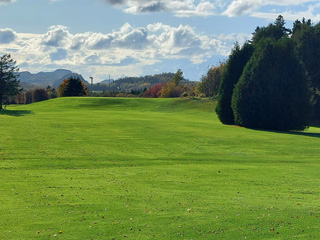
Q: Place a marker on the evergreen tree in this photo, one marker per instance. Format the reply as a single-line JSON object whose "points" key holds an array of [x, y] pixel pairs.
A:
{"points": [[307, 42], [233, 70], [52, 93], [276, 30], [178, 76], [272, 92], [9, 84]]}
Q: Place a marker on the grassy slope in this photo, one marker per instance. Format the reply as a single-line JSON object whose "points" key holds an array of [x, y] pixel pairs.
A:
{"points": [[98, 168]]}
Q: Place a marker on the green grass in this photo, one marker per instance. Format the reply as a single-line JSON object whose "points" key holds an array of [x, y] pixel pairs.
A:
{"points": [[112, 168]]}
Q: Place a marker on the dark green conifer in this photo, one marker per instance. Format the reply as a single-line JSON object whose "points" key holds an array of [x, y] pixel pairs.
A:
{"points": [[272, 92], [233, 70]]}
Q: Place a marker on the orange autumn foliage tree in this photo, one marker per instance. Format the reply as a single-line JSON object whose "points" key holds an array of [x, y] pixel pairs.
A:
{"points": [[72, 87]]}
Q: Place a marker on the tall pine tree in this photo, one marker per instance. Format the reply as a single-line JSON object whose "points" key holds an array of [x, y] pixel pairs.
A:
{"points": [[9, 84]]}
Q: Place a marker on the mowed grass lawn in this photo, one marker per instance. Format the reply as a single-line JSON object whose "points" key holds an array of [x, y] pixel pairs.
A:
{"points": [[112, 168]]}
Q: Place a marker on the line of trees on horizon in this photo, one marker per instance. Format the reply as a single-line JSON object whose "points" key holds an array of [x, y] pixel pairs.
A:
{"points": [[271, 81], [172, 85]]}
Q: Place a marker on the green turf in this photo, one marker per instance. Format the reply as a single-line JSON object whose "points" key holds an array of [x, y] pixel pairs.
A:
{"points": [[112, 168]]}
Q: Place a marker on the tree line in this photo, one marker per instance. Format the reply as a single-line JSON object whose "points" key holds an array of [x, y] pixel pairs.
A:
{"points": [[271, 81]]}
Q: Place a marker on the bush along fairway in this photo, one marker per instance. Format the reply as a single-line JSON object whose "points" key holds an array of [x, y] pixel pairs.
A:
{"points": [[112, 168]]}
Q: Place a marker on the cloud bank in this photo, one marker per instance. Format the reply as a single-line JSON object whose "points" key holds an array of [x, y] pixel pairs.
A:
{"points": [[268, 9], [128, 49]]}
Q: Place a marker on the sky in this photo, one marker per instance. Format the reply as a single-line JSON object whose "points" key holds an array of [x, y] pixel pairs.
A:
{"points": [[98, 38]]}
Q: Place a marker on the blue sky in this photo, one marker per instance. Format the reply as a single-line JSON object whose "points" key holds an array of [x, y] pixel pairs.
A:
{"points": [[135, 37]]}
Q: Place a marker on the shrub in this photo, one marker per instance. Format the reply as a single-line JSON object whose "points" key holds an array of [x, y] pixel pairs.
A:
{"points": [[154, 91], [171, 90], [185, 94]]}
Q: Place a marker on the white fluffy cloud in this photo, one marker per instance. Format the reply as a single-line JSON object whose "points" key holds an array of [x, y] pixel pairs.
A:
{"points": [[311, 12], [230, 8], [127, 49], [57, 36], [241, 7], [127, 37]]}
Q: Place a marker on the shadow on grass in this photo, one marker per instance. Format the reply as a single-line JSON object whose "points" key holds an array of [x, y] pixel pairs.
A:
{"points": [[15, 113], [303, 133], [306, 134], [315, 124]]}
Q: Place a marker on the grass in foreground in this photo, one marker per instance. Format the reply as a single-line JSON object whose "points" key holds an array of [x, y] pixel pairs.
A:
{"points": [[102, 168]]}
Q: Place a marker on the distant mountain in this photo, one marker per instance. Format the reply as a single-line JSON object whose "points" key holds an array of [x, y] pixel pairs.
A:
{"points": [[69, 75], [126, 84], [27, 86], [44, 79]]}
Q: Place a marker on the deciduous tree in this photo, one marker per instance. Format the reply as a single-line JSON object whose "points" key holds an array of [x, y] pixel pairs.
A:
{"points": [[170, 90], [154, 91], [209, 85], [72, 87], [39, 94]]}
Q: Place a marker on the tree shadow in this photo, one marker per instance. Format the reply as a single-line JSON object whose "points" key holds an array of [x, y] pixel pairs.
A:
{"points": [[315, 124], [15, 113], [306, 134], [297, 133]]}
